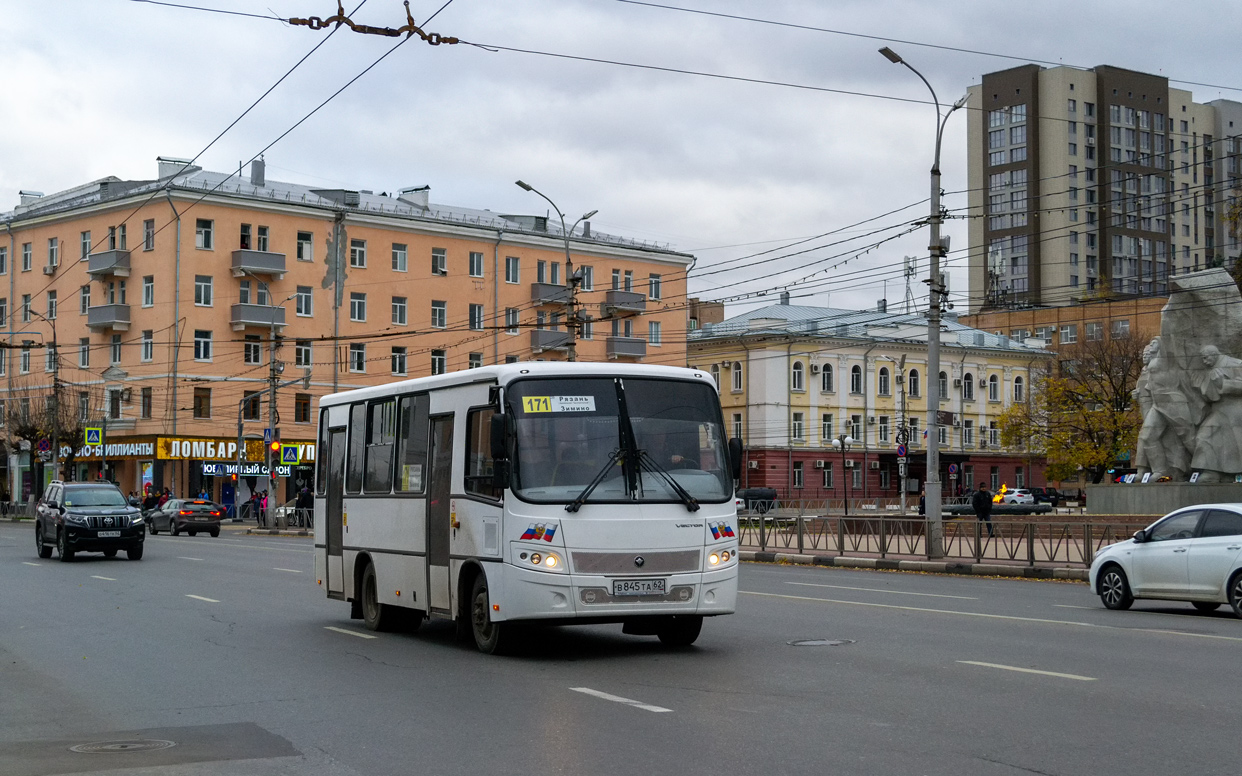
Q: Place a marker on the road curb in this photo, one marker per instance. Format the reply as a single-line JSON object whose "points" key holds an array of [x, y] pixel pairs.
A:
{"points": [[277, 532], [933, 567]]}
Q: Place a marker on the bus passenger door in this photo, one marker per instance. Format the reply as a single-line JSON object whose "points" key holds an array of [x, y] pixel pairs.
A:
{"points": [[439, 581], [334, 510]]}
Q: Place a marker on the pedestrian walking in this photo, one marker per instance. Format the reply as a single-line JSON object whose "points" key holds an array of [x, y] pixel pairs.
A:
{"points": [[923, 502], [981, 502]]}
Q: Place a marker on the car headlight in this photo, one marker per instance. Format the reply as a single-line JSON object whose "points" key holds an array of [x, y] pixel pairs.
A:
{"points": [[75, 519]]}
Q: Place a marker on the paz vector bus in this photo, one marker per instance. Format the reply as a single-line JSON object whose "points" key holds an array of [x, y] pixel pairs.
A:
{"points": [[529, 493]]}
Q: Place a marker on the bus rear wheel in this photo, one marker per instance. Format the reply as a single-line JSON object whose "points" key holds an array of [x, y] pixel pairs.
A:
{"points": [[681, 630], [489, 637], [376, 616]]}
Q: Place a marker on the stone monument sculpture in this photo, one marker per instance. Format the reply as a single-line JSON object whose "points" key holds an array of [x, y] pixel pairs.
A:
{"points": [[1167, 438]]}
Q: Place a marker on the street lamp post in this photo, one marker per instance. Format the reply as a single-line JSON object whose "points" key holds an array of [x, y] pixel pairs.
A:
{"points": [[936, 249], [843, 444], [571, 320]]}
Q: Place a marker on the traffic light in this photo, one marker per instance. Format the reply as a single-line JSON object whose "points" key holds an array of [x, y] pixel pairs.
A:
{"points": [[275, 445]]}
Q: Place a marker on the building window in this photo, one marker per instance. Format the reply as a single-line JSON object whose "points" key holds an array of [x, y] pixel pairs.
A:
{"points": [[541, 271], [913, 382], [202, 402], [797, 474], [513, 269], [148, 345], [51, 305], [148, 291], [439, 314], [84, 299], [4, 265], [86, 244], [616, 280], [942, 386], [357, 357], [828, 475], [49, 362], [203, 229], [301, 408], [1069, 334], [883, 382], [53, 251], [1120, 329], [25, 308], [587, 329], [653, 332], [1095, 332], [305, 301], [968, 387], [253, 347], [115, 349], [261, 240], [511, 320], [306, 246], [202, 345], [884, 429], [357, 306], [737, 376], [856, 427], [856, 478], [588, 277], [796, 428], [1019, 389], [653, 287], [202, 290], [439, 364], [825, 379], [250, 405], [476, 264], [993, 388], [358, 253], [797, 379], [27, 256], [400, 258], [147, 402], [856, 379], [474, 361], [968, 433], [398, 361], [84, 352], [715, 370], [302, 353], [825, 426], [23, 365], [439, 261], [244, 242], [476, 317]]}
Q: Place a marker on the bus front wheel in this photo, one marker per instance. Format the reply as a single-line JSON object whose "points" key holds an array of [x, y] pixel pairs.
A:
{"points": [[489, 636], [375, 616], [680, 630]]}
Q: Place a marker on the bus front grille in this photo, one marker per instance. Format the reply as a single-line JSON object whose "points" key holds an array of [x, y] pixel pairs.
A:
{"points": [[660, 562]]}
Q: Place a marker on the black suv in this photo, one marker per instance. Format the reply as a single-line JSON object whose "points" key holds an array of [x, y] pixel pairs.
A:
{"points": [[87, 517]]}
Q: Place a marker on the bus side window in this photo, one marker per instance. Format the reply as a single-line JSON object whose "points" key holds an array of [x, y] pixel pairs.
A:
{"points": [[381, 433], [412, 429], [321, 460], [356, 458], [479, 453]]}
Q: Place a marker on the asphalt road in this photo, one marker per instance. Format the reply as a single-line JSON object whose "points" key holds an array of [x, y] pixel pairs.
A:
{"points": [[227, 648]]}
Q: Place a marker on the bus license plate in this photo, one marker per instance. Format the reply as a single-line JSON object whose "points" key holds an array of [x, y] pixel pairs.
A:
{"points": [[109, 534], [638, 587]]}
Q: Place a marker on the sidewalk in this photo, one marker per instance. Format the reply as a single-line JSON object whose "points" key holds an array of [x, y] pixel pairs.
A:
{"points": [[934, 567]]}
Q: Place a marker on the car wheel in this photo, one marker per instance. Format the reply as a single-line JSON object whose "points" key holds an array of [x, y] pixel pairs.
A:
{"points": [[376, 616], [44, 550], [109, 553], [215, 533], [1235, 593], [489, 637], [681, 630], [134, 553], [151, 529], [1115, 588], [173, 528], [62, 547], [1205, 606]]}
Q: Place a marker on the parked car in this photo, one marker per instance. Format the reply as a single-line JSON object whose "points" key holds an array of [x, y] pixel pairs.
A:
{"points": [[1017, 496], [189, 515], [78, 517], [1193, 554], [1047, 496], [761, 500]]}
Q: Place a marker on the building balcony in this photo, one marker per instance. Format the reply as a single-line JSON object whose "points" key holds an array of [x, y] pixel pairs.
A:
{"points": [[548, 293], [258, 263], [244, 315], [547, 339], [108, 316], [622, 303], [108, 263], [626, 347]]}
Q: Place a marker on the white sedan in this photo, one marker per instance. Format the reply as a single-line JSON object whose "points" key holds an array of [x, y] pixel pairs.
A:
{"points": [[1018, 496], [1193, 554]]}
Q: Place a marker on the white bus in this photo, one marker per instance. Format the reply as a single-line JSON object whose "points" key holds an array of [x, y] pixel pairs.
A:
{"points": [[531, 492]]}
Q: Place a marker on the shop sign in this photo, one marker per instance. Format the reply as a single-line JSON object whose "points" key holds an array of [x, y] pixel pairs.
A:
{"points": [[206, 449], [243, 469], [124, 448]]}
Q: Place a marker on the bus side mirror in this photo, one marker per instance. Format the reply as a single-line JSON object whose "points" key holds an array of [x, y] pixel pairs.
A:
{"points": [[735, 457], [500, 437]]}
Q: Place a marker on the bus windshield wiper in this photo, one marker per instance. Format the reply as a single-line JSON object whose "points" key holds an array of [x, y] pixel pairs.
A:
{"points": [[577, 503], [692, 504]]}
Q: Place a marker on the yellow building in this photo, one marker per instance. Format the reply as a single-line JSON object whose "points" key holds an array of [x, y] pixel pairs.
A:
{"points": [[167, 298], [792, 379]]}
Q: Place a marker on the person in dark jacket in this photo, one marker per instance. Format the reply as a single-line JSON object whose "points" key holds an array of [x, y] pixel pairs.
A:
{"points": [[981, 502]]}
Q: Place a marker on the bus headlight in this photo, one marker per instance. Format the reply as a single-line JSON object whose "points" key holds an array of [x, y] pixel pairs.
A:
{"points": [[550, 561], [713, 559]]}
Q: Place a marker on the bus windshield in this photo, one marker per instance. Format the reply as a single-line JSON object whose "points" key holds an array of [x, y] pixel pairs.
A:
{"points": [[572, 431]]}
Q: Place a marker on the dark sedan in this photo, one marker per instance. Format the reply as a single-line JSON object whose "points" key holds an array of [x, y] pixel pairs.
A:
{"points": [[188, 515]]}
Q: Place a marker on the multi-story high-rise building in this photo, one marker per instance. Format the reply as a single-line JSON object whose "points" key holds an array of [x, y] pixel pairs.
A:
{"points": [[1094, 184], [161, 312]]}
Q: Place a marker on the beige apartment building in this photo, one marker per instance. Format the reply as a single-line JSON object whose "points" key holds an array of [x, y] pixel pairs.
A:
{"points": [[161, 311]]}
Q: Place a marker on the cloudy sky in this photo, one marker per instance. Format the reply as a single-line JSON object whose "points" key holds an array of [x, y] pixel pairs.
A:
{"points": [[723, 169]]}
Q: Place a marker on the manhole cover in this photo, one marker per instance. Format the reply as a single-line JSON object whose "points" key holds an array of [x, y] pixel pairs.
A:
{"points": [[128, 745], [820, 642]]}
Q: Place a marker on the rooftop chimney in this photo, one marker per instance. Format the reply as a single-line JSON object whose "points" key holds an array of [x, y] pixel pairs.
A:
{"points": [[418, 196], [881, 306], [29, 196], [258, 170], [170, 165], [784, 297], [586, 229]]}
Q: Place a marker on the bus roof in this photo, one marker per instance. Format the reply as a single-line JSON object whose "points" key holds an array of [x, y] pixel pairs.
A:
{"points": [[502, 374]]}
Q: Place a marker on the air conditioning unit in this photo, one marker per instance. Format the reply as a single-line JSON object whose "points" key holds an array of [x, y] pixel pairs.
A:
{"points": [[957, 424], [849, 464], [126, 394], [983, 443], [814, 369], [875, 464], [871, 420], [49, 269], [820, 464], [726, 364], [1090, 141], [900, 378], [752, 464], [957, 382]]}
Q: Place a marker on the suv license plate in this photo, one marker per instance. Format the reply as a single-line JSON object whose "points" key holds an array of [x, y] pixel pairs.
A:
{"points": [[638, 587], [109, 534]]}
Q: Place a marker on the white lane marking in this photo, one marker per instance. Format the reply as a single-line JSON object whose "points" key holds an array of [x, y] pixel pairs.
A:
{"points": [[619, 699], [200, 598], [349, 632], [1028, 670], [1069, 606], [106, 579], [236, 543], [995, 616], [291, 571], [182, 557], [876, 590], [28, 563]]}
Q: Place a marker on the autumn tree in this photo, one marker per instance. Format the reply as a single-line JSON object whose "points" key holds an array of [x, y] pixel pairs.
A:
{"points": [[1081, 415]]}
